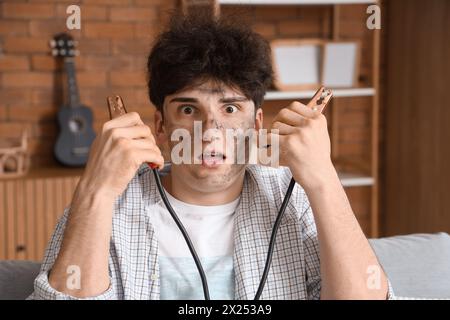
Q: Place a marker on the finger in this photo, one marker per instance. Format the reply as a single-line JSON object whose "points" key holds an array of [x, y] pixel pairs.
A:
{"points": [[134, 132], [303, 110], [282, 128], [316, 97], [126, 120], [151, 137], [152, 155], [289, 117], [145, 143]]}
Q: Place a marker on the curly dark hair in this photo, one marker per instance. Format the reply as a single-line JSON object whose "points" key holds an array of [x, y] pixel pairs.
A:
{"points": [[196, 48]]}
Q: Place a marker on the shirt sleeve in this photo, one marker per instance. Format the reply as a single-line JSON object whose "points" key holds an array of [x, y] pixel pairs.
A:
{"points": [[308, 235], [390, 293], [42, 288]]}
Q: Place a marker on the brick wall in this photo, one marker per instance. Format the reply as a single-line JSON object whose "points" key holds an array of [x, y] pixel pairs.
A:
{"points": [[114, 39]]}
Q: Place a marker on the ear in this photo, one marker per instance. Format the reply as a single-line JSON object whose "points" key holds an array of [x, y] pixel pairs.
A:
{"points": [[160, 131], [259, 119]]}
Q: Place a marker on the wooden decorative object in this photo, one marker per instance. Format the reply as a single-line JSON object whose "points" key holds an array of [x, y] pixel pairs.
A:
{"points": [[211, 7], [14, 157]]}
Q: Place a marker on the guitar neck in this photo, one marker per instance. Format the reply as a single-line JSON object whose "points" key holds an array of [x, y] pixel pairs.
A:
{"points": [[72, 88]]}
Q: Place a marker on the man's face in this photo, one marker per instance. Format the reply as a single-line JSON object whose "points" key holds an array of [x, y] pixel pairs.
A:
{"points": [[219, 109]]}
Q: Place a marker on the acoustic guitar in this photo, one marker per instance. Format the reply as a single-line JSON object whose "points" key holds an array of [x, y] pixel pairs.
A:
{"points": [[75, 120]]}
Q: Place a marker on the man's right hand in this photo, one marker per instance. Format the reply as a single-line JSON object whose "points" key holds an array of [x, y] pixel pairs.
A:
{"points": [[117, 152]]}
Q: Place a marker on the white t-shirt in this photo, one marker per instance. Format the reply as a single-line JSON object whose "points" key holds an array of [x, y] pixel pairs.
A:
{"points": [[211, 231]]}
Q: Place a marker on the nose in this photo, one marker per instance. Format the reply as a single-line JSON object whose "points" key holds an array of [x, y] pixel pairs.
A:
{"points": [[209, 120], [211, 126]]}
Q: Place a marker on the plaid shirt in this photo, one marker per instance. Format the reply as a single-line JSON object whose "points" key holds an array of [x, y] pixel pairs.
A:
{"points": [[133, 260]]}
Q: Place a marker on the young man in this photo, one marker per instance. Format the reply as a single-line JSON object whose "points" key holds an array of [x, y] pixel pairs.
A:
{"points": [[117, 240]]}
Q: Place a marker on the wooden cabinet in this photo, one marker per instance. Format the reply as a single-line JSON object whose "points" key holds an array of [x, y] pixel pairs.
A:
{"points": [[29, 209], [417, 117]]}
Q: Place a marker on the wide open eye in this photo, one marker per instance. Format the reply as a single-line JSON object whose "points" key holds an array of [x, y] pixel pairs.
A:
{"points": [[231, 108], [187, 109]]}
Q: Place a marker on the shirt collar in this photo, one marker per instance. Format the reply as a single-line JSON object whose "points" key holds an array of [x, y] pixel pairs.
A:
{"points": [[256, 197]]}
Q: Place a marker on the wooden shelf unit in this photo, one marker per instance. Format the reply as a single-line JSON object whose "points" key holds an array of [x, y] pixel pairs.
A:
{"points": [[368, 177], [307, 94]]}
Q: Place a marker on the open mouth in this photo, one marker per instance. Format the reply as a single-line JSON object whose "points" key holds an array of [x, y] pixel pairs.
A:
{"points": [[212, 158]]}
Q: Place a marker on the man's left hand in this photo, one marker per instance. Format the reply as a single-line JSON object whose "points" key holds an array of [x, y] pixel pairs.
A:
{"points": [[304, 143]]}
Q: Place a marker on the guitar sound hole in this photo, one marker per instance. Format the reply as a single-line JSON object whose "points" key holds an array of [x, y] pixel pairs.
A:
{"points": [[76, 125]]}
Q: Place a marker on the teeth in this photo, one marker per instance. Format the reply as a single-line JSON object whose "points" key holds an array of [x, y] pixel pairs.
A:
{"points": [[212, 155]]}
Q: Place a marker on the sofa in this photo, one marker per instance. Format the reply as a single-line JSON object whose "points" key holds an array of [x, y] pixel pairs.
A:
{"points": [[417, 265]]}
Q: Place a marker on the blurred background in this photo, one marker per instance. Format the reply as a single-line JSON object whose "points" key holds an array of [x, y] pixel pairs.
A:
{"points": [[389, 126]]}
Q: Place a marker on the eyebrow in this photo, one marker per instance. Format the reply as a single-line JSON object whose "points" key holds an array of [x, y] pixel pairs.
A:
{"points": [[193, 100]]}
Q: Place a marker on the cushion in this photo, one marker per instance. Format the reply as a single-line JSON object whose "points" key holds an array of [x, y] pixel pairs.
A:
{"points": [[17, 278], [417, 265]]}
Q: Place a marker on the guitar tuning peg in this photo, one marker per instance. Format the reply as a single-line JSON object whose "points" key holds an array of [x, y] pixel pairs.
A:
{"points": [[55, 52], [52, 43], [63, 52], [74, 53]]}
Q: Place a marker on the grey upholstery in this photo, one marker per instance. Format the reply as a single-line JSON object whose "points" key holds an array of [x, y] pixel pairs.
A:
{"points": [[16, 279], [417, 265]]}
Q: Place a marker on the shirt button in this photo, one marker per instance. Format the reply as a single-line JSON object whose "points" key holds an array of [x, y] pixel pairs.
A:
{"points": [[154, 276]]}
